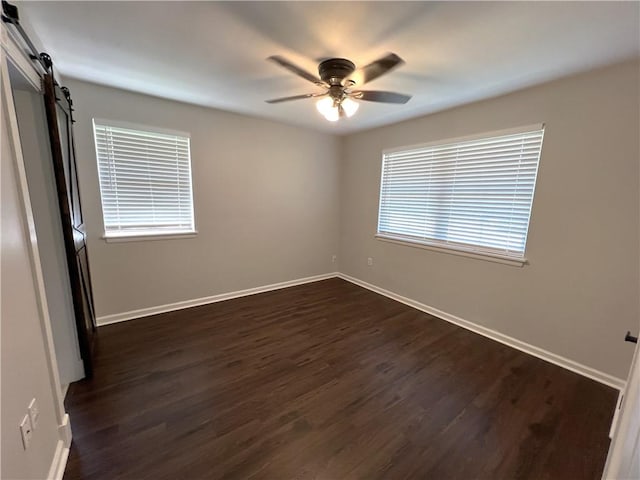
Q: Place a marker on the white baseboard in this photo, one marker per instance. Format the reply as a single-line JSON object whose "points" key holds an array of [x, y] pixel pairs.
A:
{"points": [[495, 335], [64, 431], [60, 456], [59, 463], [145, 312]]}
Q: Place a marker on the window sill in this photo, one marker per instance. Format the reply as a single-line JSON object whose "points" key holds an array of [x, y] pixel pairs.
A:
{"points": [[147, 237], [489, 257]]}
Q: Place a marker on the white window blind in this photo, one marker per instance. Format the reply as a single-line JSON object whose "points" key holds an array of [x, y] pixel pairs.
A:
{"points": [[145, 181], [471, 195]]}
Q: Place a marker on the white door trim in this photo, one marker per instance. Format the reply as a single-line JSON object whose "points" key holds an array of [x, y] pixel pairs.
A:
{"points": [[623, 461]]}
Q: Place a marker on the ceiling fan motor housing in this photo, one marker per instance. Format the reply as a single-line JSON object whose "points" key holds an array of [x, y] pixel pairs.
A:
{"points": [[333, 70]]}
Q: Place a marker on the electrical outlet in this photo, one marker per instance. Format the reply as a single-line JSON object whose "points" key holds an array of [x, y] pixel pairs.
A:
{"points": [[334, 258], [370, 261], [34, 413], [26, 431]]}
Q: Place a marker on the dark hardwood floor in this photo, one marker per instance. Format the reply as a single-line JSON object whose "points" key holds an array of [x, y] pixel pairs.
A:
{"points": [[327, 381]]}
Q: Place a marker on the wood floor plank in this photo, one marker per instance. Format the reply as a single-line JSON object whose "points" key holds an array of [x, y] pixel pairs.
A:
{"points": [[327, 381]]}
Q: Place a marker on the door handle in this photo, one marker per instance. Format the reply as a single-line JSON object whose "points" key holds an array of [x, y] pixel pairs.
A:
{"points": [[630, 338]]}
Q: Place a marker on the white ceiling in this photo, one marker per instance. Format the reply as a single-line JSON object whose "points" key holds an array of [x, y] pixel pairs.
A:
{"points": [[213, 53]]}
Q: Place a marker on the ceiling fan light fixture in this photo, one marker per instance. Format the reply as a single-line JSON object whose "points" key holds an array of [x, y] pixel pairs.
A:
{"points": [[350, 107], [328, 109], [337, 76], [333, 115]]}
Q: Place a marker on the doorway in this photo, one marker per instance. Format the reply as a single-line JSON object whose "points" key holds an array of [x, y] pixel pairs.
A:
{"points": [[34, 136]]}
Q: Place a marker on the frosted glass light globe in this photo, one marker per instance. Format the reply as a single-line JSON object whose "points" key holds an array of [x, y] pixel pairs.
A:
{"points": [[350, 107]]}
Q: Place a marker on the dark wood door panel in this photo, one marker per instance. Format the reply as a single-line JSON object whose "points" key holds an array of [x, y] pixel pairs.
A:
{"points": [[65, 125], [87, 292], [59, 108]]}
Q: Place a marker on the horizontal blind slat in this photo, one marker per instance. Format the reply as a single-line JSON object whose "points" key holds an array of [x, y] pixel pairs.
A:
{"points": [[145, 180], [476, 193]]}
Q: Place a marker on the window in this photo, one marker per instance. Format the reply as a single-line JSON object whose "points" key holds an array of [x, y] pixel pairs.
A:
{"points": [[145, 181], [472, 195]]}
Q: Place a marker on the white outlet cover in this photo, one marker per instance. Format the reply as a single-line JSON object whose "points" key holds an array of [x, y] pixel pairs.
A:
{"points": [[26, 431], [34, 413]]}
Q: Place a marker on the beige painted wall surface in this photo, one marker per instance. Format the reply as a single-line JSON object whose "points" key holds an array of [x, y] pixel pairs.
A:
{"points": [[23, 360], [265, 196], [579, 294]]}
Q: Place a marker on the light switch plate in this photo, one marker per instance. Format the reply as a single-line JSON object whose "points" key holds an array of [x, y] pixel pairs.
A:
{"points": [[34, 413], [26, 431]]}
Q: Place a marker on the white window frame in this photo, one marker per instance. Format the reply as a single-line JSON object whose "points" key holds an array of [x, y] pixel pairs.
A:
{"points": [[149, 235], [459, 249]]}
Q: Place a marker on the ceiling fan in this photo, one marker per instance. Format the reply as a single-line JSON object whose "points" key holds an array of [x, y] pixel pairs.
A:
{"points": [[338, 77]]}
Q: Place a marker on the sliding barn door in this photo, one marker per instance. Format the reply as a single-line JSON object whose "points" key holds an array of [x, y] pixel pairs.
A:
{"points": [[58, 106]]}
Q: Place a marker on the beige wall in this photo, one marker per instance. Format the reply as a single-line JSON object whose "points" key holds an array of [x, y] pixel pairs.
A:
{"points": [[265, 195], [579, 294], [24, 357], [274, 203]]}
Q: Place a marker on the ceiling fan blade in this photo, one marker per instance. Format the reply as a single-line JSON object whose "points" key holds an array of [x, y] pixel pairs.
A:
{"points": [[381, 96], [297, 97], [283, 62], [373, 70]]}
